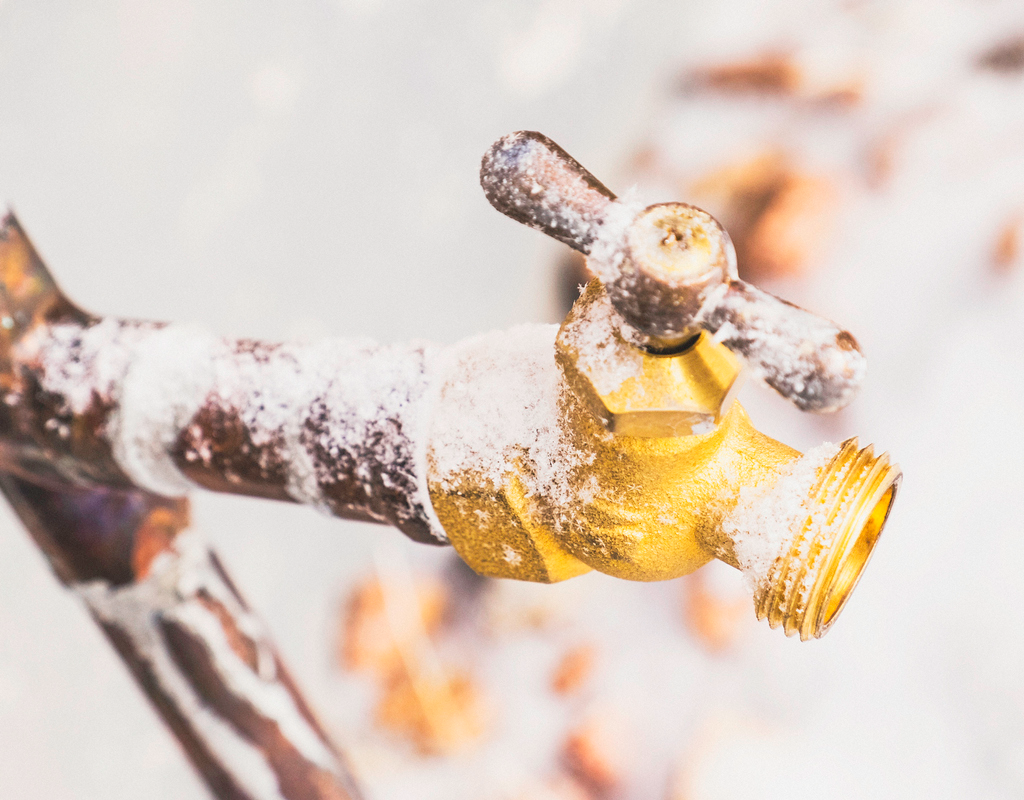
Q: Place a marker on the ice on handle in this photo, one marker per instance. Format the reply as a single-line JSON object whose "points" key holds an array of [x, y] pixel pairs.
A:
{"points": [[807, 359], [529, 178]]}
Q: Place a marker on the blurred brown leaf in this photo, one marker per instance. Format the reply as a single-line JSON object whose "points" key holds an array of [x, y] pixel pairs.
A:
{"points": [[592, 756], [776, 75], [369, 638], [778, 217], [714, 621], [771, 73], [1007, 250], [573, 670], [439, 714], [793, 228], [388, 632], [1006, 57]]}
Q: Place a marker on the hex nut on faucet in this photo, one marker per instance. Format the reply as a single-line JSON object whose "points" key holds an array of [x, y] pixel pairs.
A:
{"points": [[657, 470], [636, 391]]}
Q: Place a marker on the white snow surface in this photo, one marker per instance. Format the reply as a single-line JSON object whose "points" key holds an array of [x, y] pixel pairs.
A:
{"points": [[167, 379], [608, 250], [598, 339]]}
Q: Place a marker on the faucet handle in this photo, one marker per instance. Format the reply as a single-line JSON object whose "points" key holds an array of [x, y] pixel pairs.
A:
{"points": [[807, 359], [529, 178], [670, 272]]}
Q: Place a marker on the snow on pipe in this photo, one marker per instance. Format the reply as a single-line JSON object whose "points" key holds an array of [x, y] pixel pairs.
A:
{"points": [[196, 649], [161, 596], [670, 271], [338, 424]]}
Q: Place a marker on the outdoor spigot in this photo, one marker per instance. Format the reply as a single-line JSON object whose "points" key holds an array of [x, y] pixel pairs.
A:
{"points": [[658, 468]]}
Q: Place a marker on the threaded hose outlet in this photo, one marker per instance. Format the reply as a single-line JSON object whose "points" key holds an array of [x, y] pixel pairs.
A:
{"points": [[811, 581]]}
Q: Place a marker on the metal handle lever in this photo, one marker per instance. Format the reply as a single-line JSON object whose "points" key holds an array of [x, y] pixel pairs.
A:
{"points": [[670, 271], [529, 178]]}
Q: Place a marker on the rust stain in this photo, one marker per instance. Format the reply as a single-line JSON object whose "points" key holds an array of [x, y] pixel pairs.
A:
{"points": [[155, 536]]}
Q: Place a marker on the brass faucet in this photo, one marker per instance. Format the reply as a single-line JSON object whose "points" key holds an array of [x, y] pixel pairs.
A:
{"points": [[662, 469]]}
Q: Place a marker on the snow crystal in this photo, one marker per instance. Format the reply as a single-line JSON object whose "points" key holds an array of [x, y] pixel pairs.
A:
{"points": [[597, 338], [500, 403], [510, 555], [609, 247], [768, 516]]}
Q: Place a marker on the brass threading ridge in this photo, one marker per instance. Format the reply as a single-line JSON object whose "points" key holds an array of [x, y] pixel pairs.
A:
{"points": [[869, 512], [837, 499], [780, 598], [810, 583]]}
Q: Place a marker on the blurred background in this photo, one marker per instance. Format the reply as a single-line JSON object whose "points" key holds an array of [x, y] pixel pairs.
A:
{"points": [[310, 169]]}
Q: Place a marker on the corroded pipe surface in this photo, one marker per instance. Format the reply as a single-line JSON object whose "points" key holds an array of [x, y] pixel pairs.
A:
{"points": [[196, 649], [123, 403], [529, 178]]}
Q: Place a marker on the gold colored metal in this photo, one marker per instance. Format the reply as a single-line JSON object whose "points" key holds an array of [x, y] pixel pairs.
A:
{"points": [[500, 532], [658, 464], [679, 242], [666, 395], [847, 509], [651, 509]]}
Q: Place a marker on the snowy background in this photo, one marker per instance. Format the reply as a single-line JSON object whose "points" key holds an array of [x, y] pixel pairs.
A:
{"points": [[309, 169]]}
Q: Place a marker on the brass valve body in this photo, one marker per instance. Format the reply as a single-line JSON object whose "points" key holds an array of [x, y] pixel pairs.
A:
{"points": [[658, 463], [634, 392]]}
